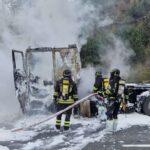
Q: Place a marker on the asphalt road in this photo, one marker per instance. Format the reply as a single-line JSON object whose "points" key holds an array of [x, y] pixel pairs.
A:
{"points": [[134, 135]]}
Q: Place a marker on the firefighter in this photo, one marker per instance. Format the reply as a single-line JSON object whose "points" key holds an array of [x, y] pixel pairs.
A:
{"points": [[100, 86], [65, 94], [114, 92]]}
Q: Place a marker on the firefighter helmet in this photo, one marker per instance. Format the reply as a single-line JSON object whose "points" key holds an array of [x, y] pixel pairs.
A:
{"points": [[67, 73], [115, 72], [98, 73]]}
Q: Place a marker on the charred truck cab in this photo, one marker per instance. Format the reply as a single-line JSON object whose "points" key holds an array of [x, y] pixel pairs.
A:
{"points": [[35, 72], [139, 96]]}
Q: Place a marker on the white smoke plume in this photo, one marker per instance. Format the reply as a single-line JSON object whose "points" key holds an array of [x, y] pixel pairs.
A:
{"points": [[37, 23], [33, 23], [102, 14], [115, 54], [40, 23], [87, 81], [93, 14], [118, 56], [9, 107]]}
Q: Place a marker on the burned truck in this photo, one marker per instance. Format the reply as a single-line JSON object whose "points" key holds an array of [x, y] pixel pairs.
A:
{"points": [[35, 72], [139, 97]]}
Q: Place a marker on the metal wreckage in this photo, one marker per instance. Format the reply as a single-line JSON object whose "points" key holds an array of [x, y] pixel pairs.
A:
{"points": [[36, 70]]}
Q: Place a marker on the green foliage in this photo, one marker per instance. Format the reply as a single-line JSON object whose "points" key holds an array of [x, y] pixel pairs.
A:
{"points": [[90, 52], [139, 39], [140, 74], [135, 37], [140, 9], [138, 35], [93, 49], [146, 31]]}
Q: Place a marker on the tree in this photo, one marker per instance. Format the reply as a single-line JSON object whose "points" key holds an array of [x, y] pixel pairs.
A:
{"points": [[90, 52]]}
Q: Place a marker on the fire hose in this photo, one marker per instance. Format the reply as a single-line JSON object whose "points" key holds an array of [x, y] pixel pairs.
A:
{"points": [[56, 114]]}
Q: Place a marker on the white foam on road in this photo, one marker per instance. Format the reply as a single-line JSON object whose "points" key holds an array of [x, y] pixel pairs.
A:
{"points": [[78, 141], [128, 120], [3, 148]]}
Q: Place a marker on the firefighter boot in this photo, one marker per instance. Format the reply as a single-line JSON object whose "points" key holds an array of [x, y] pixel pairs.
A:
{"points": [[115, 123], [109, 126], [58, 124], [66, 125]]}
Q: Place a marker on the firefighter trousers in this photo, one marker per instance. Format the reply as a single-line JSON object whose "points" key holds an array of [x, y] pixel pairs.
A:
{"points": [[113, 109], [67, 117]]}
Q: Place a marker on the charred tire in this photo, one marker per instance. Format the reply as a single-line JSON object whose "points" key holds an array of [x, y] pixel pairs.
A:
{"points": [[146, 106]]}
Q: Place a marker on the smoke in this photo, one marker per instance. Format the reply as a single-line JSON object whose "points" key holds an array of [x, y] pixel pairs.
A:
{"points": [[87, 81], [8, 103], [49, 23], [33, 23], [113, 52], [95, 14], [117, 56], [37, 23]]}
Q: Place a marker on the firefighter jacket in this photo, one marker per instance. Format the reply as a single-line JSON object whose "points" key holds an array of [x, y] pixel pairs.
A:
{"points": [[65, 91]]}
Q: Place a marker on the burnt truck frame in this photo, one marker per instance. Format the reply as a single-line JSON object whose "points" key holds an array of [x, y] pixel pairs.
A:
{"points": [[27, 83], [23, 79], [139, 96]]}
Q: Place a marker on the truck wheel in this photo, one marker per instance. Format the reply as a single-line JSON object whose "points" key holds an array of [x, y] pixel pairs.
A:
{"points": [[146, 106]]}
